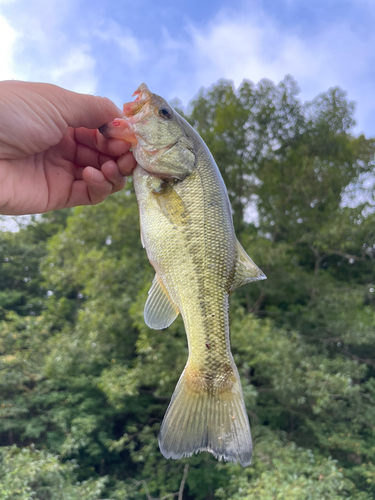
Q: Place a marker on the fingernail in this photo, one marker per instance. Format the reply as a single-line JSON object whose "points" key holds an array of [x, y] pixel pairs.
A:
{"points": [[97, 176]]}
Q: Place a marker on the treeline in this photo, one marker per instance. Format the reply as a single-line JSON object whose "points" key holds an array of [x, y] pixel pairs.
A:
{"points": [[84, 384]]}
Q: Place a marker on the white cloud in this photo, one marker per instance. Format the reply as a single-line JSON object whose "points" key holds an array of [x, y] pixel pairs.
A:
{"points": [[254, 46], [36, 45], [7, 39], [62, 43], [76, 71], [132, 49]]}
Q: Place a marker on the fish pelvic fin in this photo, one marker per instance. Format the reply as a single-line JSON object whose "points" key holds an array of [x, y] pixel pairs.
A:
{"points": [[207, 414], [246, 270]]}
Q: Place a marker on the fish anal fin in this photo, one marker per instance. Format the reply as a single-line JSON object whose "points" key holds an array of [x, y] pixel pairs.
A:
{"points": [[246, 270], [160, 312], [207, 417]]}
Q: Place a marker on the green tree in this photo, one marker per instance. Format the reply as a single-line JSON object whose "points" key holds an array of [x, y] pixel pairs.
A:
{"points": [[83, 377], [29, 473]]}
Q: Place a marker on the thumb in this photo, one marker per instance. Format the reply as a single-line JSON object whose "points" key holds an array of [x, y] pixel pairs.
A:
{"points": [[84, 110]]}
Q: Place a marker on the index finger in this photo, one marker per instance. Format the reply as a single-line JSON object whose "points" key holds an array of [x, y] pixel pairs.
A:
{"points": [[95, 140]]}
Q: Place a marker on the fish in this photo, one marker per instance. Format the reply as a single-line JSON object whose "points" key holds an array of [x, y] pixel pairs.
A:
{"points": [[187, 231]]}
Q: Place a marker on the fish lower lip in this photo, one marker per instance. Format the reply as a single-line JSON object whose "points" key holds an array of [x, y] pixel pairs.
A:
{"points": [[104, 131]]}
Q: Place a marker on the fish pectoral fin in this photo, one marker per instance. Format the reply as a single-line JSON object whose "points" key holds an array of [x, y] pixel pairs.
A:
{"points": [[172, 206], [160, 311], [246, 270]]}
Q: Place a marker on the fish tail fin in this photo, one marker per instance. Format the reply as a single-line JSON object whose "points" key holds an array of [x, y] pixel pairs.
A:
{"points": [[207, 414]]}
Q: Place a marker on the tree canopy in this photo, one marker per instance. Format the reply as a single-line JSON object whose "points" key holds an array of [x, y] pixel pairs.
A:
{"points": [[85, 383]]}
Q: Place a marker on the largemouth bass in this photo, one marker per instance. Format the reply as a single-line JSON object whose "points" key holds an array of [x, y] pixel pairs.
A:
{"points": [[187, 231]]}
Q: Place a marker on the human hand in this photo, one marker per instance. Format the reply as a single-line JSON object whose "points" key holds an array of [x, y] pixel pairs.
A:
{"points": [[51, 153]]}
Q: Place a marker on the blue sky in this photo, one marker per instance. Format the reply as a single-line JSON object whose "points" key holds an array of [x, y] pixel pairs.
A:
{"points": [[110, 47]]}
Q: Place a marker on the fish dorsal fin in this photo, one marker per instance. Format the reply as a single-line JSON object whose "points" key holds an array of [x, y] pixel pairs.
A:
{"points": [[246, 270], [160, 311]]}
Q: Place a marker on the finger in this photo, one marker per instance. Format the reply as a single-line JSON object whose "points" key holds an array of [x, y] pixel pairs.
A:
{"points": [[91, 190], [115, 172], [112, 173], [86, 156], [98, 186], [83, 194], [95, 140], [78, 171], [126, 163]]}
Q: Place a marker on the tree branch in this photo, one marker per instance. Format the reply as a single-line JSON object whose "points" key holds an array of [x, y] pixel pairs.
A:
{"points": [[346, 255], [258, 303], [149, 497], [182, 485], [179, 493]]}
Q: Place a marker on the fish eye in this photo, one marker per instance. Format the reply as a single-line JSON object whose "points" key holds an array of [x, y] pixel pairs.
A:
{"points": [[165, 112]]}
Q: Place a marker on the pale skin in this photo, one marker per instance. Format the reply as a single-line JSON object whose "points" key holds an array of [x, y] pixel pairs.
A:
{"points": [[51, 153]]}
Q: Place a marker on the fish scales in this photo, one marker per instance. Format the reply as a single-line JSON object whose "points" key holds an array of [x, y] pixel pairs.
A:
{"points": [[187, 230]]}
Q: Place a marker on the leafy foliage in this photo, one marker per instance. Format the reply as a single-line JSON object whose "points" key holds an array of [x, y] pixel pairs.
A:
{"points": [[28, 473], [82, 378]]}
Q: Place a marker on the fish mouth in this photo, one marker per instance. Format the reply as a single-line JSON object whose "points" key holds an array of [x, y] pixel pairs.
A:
{"points": [[134, 112], [140, 105]]}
